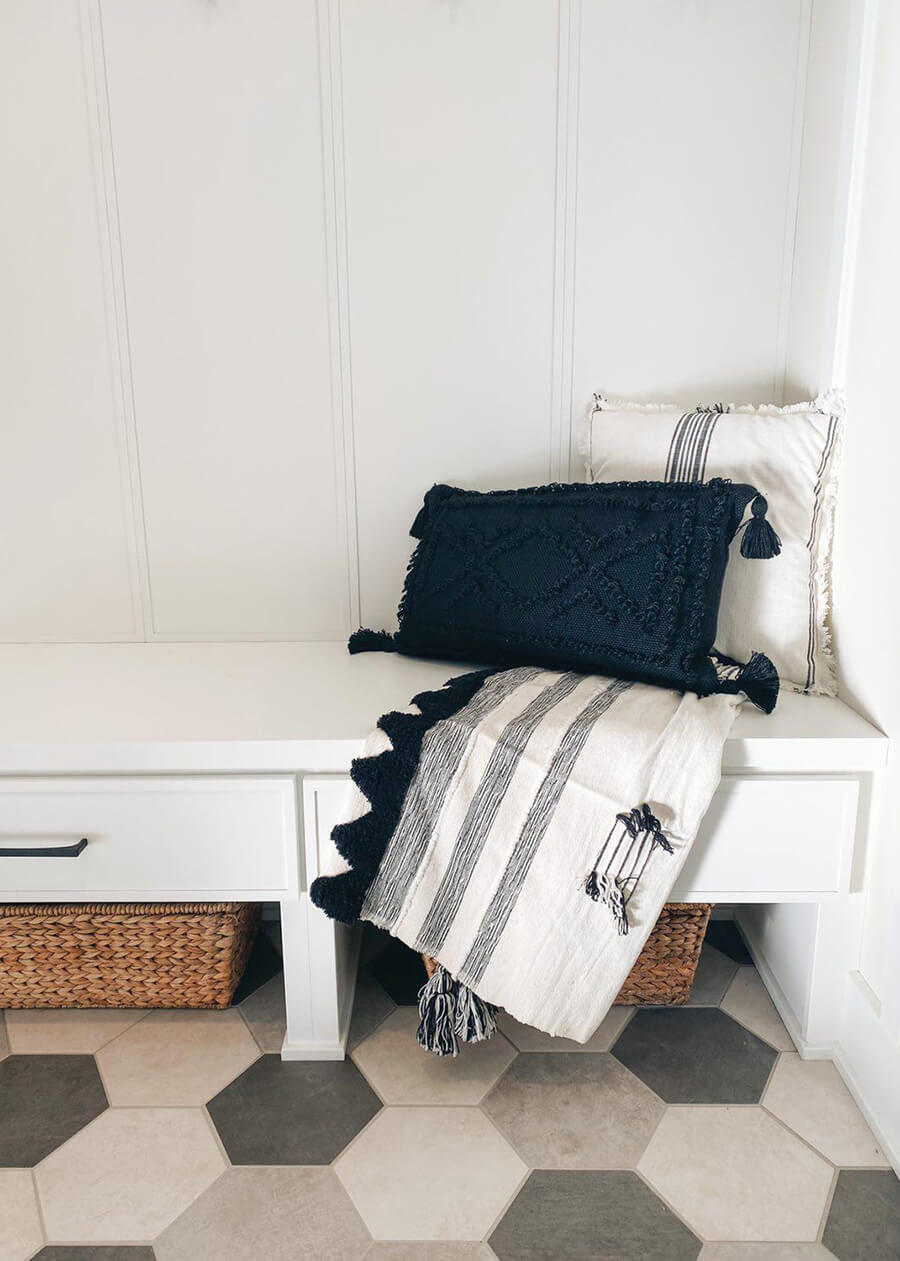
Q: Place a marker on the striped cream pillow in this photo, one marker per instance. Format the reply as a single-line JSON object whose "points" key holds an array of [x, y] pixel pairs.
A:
{"points": [[790, 454]]}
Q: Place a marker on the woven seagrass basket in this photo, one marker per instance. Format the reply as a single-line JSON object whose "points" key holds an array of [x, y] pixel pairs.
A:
{"points": [[664, 971], [133, 955]]}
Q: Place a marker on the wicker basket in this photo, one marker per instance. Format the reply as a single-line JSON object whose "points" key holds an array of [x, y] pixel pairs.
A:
{"points": [[133, 955], [664, 971]]}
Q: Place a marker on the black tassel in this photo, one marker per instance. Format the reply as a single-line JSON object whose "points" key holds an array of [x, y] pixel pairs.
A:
{"points": [[364, 640], [760, 542], [437, 1014], [475, 1019], [758, 680]]}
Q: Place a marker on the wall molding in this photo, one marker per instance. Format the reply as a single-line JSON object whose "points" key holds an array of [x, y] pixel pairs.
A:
{"points": [[334, 179], [563, 435], [118, 334]]}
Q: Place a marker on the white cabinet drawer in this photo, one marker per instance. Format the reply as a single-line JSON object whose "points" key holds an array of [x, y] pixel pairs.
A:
{"points": [[762, 836], [770, 835], [151, 836]]}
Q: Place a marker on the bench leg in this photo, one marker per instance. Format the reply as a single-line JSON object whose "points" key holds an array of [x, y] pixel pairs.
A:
{"points": [[319, 979]]}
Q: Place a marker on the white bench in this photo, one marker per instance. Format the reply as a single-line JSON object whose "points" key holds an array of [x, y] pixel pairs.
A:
{"points": [[216, 772]]}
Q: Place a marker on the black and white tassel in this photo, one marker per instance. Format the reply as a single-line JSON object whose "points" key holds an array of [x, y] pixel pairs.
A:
{"points": [[475, 1019], [437, 1014], [615, 889]]}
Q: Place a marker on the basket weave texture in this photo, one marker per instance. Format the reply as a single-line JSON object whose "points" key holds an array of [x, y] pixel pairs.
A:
{"points": [[664, 970], [131, 955]]}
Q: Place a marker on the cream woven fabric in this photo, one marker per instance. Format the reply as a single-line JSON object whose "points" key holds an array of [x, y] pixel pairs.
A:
{"points": [[790, 454]]}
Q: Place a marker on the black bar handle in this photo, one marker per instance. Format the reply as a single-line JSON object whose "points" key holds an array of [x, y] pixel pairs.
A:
{"points": [[58, 851]]}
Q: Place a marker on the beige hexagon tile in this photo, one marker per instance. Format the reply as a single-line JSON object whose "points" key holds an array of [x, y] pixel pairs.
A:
{"points": [[427, 1173], [765, 1252], [20, 1224], [526, 1038], [565, 1111], [810, 1097], [4, 1041], [736, 1173], [127, 1175], [402, 1072], [418, 1250], [176, 1058], [264, 1014], [66, 1032], [747, 1001], [277, 1213]]}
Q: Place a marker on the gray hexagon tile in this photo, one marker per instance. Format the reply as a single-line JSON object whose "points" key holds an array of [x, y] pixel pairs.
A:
{"points": [[96, 1252], [64, 1032], [280, 1214], [735, 1173], [127, 1175], [766, 1252], [725, 936], [812, 1100], [371, 1005], [715, 972], [576, 1215], [570, 1111], [400, 971], [748, 1001], [292, 1112], [176, 1058], [20, 1224], [526, 1038], [402, 1072], [864, 1218], [695, 1055], [430, 1173], [46, 1099], [264, 1015]]}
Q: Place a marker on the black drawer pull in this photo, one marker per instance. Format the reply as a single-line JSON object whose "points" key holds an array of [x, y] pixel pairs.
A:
{"points": [[58, 851]]}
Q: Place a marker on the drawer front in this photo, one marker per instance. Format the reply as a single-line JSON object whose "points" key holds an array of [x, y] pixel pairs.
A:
{"points": [[325, 800], [194, 836], [773, 835]]}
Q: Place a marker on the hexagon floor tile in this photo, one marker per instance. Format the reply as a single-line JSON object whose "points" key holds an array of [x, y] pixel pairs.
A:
{"points": [[526, 1038], [864, 1218], [810, 1097], [292, 1112], [264, 1014], [371, 1005], [748, 1001], [695, 1055], [45, 1100], [574, 1215], [66, 1032], [725, 936], [419, 1250], [766, 1252], [430, 1173], [280, 1214], [570, 1111], [402, 1072], [96, 1252], [715, 972], [20, 1224], [176, 1058], [735, 1173], [400, 971], [127, 1175]]}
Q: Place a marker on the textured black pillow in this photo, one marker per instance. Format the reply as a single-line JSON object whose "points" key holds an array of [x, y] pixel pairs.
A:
{"points": [[621, 578]]}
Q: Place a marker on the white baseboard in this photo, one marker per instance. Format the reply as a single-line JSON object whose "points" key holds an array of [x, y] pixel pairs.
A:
{"points": [[312, 1051]]}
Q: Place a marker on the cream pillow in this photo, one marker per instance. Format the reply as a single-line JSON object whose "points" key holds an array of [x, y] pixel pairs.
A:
{"points": [[790, 454]]}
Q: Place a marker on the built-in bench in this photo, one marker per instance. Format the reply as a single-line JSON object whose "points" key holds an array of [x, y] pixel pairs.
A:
{"points": [[216, 772]]}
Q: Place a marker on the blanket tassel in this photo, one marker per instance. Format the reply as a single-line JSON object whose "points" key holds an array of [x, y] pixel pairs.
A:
{"points": [[450, 1013]]}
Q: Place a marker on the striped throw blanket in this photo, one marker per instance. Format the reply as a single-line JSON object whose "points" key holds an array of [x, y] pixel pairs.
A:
{"points": [[524, 828]]}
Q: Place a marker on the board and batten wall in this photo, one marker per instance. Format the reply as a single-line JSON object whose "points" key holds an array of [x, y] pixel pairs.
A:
{"points": [[272, 269]]}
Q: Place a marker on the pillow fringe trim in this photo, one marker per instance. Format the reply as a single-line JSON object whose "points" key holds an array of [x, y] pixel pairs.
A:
{"points": [[383, 779]]}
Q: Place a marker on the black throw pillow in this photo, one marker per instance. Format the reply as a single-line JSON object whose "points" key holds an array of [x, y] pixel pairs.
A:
{"points": [[619, 578]]}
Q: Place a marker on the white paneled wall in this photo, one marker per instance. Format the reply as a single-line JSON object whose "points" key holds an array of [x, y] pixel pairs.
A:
{"points": [[278, 267]]}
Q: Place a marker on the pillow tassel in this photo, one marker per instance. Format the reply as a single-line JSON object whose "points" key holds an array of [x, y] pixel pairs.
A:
{"points": [[758, 680], [760, 542], [364, 640]]}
